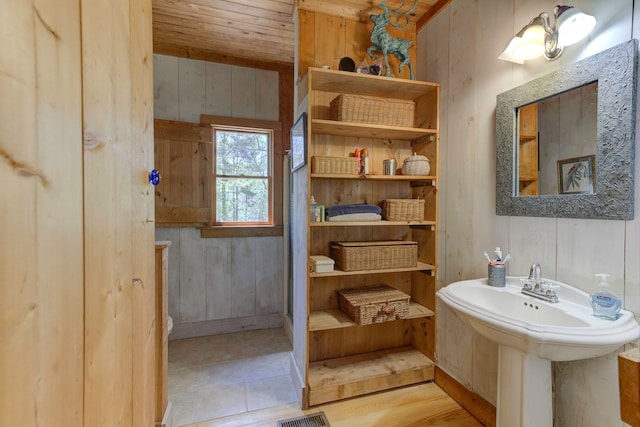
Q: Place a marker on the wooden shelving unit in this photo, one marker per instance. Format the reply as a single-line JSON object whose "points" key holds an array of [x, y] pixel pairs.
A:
{"points": [[528, 150], [344, 359]]}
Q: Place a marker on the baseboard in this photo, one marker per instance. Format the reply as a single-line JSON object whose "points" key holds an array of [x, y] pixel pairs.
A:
{"points": [[167, 419], [297, 379], [225, 326], [288, 328], [472, 402]]}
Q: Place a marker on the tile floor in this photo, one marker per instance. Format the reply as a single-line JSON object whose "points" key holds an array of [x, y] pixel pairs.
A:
{"points": [[220, 375]]}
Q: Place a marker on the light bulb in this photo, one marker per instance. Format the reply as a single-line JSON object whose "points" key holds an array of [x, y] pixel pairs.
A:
{"points": [[573, 26]]}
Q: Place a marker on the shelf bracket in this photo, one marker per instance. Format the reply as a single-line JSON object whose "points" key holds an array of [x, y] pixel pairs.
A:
{"points": [[423, 139]]}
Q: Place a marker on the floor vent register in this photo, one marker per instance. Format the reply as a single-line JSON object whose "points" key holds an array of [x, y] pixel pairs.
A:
{"points": [[313, 420]]}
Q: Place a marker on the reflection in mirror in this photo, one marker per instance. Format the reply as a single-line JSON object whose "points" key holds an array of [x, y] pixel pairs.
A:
{"points": [[557, 143]]}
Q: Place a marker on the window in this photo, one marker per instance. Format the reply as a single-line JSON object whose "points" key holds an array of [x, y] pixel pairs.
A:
{"points": [[242, 175]]}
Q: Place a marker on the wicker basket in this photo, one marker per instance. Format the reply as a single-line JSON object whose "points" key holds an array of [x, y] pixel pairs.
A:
{"points": [[374, 304], [334, 165], [403, 209], [355, 256], [370, 109]]}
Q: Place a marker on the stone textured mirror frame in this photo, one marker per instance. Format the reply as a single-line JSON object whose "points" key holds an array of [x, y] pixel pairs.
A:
{"points": [[615, 69]]}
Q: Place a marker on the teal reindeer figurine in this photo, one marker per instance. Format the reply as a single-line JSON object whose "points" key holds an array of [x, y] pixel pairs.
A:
{"points": [[388, 44]]}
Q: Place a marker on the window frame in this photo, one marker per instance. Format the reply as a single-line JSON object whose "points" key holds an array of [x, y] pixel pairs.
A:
{"points": [[275, 228], [268, 177]]}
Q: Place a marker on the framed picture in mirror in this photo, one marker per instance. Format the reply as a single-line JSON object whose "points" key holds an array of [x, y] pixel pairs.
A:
{"points": [[576, 175]]}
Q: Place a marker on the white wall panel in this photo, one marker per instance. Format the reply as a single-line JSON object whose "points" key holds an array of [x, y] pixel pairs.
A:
{"points": [[268, 275], [461, 54], [165, 87], [267, 95], [243, 90], [243, 291], [193, 279], [218, 89], [219, 268], [191, 83]]}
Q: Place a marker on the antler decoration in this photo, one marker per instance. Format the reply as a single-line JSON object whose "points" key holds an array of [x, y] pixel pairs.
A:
{"points": [[397, 14]]}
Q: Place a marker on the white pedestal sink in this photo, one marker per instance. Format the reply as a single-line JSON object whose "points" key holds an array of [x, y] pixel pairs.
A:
{"points": [[532, 333]]}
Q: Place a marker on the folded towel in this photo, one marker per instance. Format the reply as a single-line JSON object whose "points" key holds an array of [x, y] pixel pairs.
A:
{"points": [[356, 217], [352, 209]]}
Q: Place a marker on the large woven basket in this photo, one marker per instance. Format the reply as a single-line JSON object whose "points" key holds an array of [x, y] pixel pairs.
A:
{"points": [[334, 165], [354, 256], [370, 109], [403, 209], [374, 304]]}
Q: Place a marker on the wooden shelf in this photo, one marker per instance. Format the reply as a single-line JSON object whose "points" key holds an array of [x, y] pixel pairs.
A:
{"points": [[323, 320], [420, 267], [333, 127], [380, 223], [375, 177], [345, 377], [366, 84]]}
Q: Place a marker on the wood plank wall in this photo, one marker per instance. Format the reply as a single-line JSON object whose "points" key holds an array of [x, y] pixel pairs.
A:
{"points": [[118, 232], [41, 246], [218, 285], [76, 214], [325, 39]]}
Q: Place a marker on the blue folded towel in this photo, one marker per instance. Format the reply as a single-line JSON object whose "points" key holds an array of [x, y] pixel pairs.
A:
{"points": [[353, 209]]}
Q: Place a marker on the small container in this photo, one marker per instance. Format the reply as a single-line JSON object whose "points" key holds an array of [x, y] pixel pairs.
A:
{"points": [[389, 167], [416, 165], [321, 263], [497, 275]]}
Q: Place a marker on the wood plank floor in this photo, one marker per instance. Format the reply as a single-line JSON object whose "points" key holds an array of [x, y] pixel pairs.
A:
{"points": [[416, 406]]}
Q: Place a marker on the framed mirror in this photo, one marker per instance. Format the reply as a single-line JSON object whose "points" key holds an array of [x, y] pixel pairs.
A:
{"points": [[565, 141]]}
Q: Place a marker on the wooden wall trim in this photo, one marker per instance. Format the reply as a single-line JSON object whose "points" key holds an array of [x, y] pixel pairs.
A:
{"points": [[208, 119], [472, 402], [225, 326], [212, 56], [234, 231], [182, 131], [431, 13]]}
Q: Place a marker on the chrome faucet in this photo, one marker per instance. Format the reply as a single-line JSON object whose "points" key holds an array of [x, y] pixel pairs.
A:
{"points": [[536, 287]]}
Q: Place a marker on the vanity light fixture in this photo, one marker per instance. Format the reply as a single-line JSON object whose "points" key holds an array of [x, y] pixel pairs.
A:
{"points": [[539, 37]]}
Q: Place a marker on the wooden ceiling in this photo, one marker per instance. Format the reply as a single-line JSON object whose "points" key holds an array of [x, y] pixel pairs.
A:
{"points": [[255, 33]]}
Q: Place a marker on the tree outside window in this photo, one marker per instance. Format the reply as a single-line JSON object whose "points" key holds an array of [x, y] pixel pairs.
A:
{"points": [[242, 171]]}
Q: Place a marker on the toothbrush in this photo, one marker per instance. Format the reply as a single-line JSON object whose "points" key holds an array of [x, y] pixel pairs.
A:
{"points": [[507, 258], [486, 255]]}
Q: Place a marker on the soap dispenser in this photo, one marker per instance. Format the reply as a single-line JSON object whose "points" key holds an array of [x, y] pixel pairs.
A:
{"points": [[604, 302]]}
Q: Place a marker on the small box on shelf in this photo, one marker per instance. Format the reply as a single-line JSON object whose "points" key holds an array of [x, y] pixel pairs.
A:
{"points": [[321, 264]]}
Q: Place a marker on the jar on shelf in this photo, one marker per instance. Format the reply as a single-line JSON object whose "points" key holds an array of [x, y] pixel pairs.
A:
{"points": [[416, 165]]}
